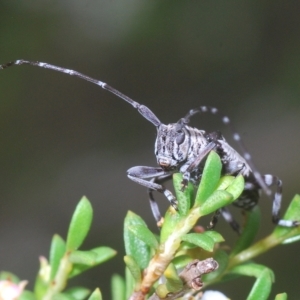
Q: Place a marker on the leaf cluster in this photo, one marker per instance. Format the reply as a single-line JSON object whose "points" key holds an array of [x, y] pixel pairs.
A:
{"points": [[164, 265]]}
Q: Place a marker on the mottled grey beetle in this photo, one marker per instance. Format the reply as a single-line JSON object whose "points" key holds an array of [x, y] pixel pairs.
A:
{"points": [[181, 148]]}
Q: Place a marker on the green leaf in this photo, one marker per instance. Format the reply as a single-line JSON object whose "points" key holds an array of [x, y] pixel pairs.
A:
{"points": [[133, 267], [41, 283], [249, 231], [143, 233], [87, 258], [236, 187], [4, 275], [84, 260], [215, 236], [217, 200], [184, 246], [262, 286], [224, 182], [293, 211], [27, 295], [96, 295], [282, 296], [181, 261], [292, 234], [129, 283], [173, 283], [229, 277], [162, 291], [291, 240], [62, 296], [80, 224], [57, 251], [252, 269], [201, 240], [78, 293], [134, 246], [172, 217], [118, 287], [185, 197], [210, 178]]}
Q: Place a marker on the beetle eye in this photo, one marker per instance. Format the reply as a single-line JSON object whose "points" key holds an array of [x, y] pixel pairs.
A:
{"points": [[180, 138]]}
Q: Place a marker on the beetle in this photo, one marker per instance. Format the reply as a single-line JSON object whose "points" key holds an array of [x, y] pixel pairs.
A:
{"points": [[181, 148]]}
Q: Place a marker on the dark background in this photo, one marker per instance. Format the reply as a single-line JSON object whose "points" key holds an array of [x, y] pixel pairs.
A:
{"points": [[62, 138]]}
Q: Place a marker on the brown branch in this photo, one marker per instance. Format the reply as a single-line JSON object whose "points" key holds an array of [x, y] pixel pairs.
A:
{"points": [[191, 278]]}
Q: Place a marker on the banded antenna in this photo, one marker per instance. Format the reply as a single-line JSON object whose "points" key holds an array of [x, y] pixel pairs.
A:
{"points": [[142, 109]]}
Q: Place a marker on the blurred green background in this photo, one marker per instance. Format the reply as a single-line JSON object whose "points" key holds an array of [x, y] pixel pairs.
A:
{"points": [[62, 138]]}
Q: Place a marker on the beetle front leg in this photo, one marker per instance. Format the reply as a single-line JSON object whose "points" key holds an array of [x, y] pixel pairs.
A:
{"points": [[139, 173], [154, 208], [194, 164], [228, 218], [153, 204]]}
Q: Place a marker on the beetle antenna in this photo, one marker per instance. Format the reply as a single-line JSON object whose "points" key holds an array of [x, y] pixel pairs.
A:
{"points": [[142, 109]]}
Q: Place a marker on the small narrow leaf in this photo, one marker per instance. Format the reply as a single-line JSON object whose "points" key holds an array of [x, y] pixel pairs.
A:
{"points": [[83, 257], [262, 287], [143, 233], [133, 267], [162, 291], [224, 182], [172, 217], [265, 277], [282, 296], [96, 295], [252, 269], [174, 283], [293, 213], [129, 283], [62, 296], [80, 224], [41, 283], [215, 236], [84, 260], [236, 187], [291, 240], [249, 231], [103, 254], [27, 295], [118, 287], [229, 277], [185, 197], [4, 275], [217, 200], [201, 240], [134, 246], [210, 178], [78, 293], [181, 261], [185, 246], [57, 251]]}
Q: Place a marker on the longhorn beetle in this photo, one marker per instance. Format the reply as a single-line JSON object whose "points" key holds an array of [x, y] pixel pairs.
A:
{"points": [[181, 148]]}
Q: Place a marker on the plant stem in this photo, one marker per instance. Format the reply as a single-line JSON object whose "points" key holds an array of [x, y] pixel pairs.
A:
{"points": [[167, 250], [258, 248], [60, 280]]}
